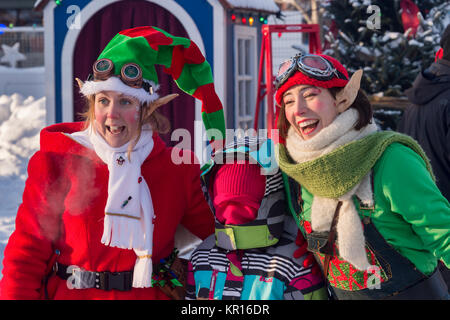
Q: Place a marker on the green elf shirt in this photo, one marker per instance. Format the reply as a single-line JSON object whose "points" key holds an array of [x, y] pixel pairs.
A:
{"points": [[410, 212]]}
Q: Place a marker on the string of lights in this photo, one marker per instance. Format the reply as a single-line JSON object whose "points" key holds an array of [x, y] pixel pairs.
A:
{"points": [[247, 18]]}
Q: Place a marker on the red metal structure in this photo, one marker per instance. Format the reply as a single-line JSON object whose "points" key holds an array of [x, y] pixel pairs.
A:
{"points": [[268, 88]]}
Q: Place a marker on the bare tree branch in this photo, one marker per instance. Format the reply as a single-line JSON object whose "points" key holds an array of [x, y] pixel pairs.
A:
{"points": [[302, 11]]}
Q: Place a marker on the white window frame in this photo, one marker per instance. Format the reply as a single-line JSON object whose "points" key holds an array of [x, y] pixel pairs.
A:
{"points": [[245, 33]]}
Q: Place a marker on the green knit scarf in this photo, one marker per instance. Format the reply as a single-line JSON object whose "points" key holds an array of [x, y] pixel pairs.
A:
{"points": [[334, 174]]}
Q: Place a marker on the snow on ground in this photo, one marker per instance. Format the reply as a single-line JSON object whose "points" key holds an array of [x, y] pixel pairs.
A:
{"points": [[21, 119], [26, 81]]}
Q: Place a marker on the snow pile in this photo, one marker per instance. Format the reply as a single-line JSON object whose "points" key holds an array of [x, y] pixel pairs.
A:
{"points": [[21, 119]]}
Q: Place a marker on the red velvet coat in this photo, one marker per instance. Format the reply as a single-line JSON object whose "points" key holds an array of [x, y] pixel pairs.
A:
{"points": [[63, 208]]}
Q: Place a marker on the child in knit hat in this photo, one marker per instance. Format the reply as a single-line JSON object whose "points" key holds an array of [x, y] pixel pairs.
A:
{"points": [[237, 192], [250, 257]]}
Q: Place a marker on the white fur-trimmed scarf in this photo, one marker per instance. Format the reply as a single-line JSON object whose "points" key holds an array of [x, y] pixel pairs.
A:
{"points": [[128, 222], [350, 234]]}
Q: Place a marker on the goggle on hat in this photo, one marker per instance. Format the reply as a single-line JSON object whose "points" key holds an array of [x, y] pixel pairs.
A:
{"points": [[317, 70], [127, 65]]}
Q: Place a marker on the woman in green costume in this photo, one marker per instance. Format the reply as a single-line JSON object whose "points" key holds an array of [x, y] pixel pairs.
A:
{"points": [[365, 200]]}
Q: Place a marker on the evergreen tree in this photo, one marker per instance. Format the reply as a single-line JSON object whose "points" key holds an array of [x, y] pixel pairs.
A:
{"points": [[390, 56]]}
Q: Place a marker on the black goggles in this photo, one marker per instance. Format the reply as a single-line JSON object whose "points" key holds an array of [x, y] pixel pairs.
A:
{"points": [[130, 74], [310, 65]]}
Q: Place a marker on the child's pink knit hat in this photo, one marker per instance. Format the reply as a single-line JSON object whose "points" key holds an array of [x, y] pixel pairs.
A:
{"points": [[238, 189]]}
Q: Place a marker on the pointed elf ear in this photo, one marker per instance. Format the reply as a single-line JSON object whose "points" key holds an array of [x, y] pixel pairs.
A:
{"points": [[347, 95], [80, 83], [158, 103]]}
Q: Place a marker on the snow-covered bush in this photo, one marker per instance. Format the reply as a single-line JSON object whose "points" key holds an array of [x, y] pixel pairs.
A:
{"points": [[390, 57]]}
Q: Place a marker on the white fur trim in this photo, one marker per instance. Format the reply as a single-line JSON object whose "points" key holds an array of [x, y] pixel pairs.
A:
{"points": [[115, 84]]}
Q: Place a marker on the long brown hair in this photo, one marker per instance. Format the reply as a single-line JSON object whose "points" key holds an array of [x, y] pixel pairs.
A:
{"points": [[157, 121], [361, 104]]}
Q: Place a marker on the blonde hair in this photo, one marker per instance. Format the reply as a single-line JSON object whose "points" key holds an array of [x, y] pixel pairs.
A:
{"points": [[157, 121]]}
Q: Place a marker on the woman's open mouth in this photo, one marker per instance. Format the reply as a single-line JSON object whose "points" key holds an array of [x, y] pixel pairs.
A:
{"points": [[308, 126], [115, 129]]}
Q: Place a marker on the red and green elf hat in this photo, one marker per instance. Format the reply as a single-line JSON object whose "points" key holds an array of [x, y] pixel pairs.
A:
{"points": [[181, 58]]}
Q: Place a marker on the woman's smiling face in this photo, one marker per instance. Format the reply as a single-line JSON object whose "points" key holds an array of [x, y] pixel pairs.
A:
{"points": [[116, 117], [309, 109]]}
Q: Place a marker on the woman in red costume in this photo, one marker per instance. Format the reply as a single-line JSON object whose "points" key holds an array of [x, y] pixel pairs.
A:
{"points": [[103, 198]]}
